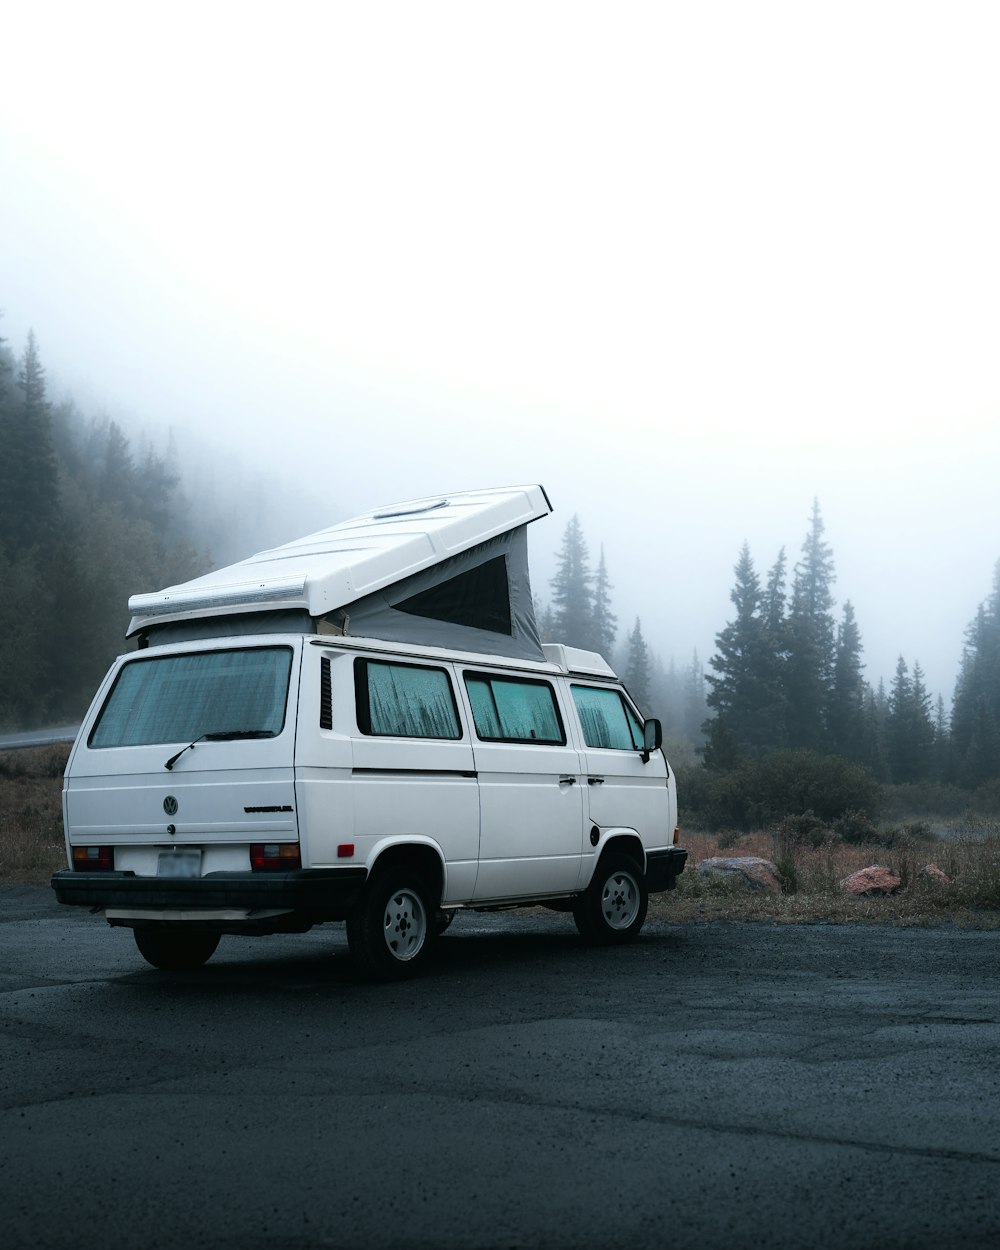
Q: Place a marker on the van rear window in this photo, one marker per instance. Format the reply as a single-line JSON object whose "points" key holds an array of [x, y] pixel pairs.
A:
{"points": [[180, 698]]}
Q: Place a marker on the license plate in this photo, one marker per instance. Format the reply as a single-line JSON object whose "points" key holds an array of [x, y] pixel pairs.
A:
{"points": [[179, 864]]}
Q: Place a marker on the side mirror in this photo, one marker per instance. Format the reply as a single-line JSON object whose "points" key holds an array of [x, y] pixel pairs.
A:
{"points": [[652, 738]]}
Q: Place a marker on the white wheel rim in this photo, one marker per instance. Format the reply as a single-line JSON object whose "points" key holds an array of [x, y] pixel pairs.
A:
{"points": [[620, 900], [404, 924]]}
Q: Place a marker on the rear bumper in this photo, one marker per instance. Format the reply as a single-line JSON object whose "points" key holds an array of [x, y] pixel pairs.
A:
{"points": [[664, 867], [311, 890]]}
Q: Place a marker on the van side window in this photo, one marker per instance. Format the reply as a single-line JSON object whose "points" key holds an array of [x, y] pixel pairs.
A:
{"points": [[607, 719], [405, 701], [509, 709]]}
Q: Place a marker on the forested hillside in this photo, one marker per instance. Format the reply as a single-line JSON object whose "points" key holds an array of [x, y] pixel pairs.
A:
{"points": [[86, 519]]}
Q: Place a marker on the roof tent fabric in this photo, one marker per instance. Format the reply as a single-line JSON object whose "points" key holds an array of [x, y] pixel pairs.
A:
{"points": [[282, 622], [479, 601]]}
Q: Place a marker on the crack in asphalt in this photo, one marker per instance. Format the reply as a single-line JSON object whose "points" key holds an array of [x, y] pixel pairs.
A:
{"points": [[618, 1112]]}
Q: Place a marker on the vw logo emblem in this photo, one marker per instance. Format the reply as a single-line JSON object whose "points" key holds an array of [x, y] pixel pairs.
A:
{"points": [[170, 805]]}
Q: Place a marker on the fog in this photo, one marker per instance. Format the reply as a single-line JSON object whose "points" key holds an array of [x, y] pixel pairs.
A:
{"points": [[688, 266]]}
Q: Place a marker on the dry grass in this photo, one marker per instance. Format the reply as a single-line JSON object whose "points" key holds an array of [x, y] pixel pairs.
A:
{"points": [[812, 875], [31, 831], [31, 848]]}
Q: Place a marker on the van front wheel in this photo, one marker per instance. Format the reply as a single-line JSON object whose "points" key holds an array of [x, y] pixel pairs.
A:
{"points": [[391, 930], [175, 952], [613, 909]]}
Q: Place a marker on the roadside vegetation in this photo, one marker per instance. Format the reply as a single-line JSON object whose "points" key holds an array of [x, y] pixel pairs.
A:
{"points": [[811, 855], [818, 819], [812, 868]]}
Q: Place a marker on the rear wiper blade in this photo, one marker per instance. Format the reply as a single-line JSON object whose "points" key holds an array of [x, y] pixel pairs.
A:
{"points": [[222, 735]]}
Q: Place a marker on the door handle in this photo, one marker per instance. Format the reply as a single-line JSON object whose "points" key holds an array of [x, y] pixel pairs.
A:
{"points": [[595, 781], [567, 781]]}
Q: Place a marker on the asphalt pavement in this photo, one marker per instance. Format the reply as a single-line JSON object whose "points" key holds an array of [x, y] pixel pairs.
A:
{"points": [[714, 1085]]}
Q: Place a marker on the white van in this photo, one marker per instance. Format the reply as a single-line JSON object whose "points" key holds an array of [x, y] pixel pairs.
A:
{"points": [[363, 726]]}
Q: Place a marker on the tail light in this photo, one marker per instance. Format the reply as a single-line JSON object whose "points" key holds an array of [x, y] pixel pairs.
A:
{"points": [[93, 858], [677, 834], [275, 856]]}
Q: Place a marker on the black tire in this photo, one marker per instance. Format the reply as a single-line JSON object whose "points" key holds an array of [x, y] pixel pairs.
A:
{"points": [[391, 930], [442, 921], [173, 951], [613, 909]]}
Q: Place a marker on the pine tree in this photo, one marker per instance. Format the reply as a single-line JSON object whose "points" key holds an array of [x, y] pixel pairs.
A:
{"points": [[847, 697], [775, 597], [8, 466], [874, 753], [942, 743], [983, 749], [636, 674], [545, 622], [6, 367], [695, 709], [118, 476], [25, 629], [157, 480], [774, 655], [721, 751], [29, 502], [745, 691], [975, 718], [736, 645], [909, 729], [605, 623], [665, 694], [810, 639], [572, 592]]}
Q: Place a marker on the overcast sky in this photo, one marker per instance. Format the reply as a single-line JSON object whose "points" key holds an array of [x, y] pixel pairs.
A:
{"points": [[688, 265]]}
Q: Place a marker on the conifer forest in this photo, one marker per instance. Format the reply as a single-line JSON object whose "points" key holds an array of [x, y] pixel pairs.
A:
{"points": [[87, 517]]}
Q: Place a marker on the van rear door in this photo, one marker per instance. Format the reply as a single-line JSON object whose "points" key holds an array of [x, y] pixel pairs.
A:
{"points": [[187, 758]]}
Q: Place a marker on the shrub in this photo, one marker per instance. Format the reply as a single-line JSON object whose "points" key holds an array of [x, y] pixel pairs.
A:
{"points": [[855, 828], [762, 792], [805, 828]]}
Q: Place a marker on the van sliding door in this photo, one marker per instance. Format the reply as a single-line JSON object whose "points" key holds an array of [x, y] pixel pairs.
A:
{"points": [[530, 792]]}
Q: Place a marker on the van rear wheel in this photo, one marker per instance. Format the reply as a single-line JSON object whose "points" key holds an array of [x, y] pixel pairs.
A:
{"points": [[391, 930], [613, 909], [175, 952]]}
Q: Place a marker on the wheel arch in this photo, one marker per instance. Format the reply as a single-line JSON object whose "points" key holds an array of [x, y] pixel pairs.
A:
{"points": [[621, 841], [423, 856]]}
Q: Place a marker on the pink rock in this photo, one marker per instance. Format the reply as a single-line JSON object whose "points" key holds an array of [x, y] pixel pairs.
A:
{"points": [[874, 880], [933, 874], [749, 870]]}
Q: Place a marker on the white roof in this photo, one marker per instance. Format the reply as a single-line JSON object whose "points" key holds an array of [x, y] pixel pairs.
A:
{"points": [[336, 566]]}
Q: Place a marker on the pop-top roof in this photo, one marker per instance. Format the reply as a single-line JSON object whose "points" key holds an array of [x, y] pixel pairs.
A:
{"points": [[574, 661], [342, 564]]}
